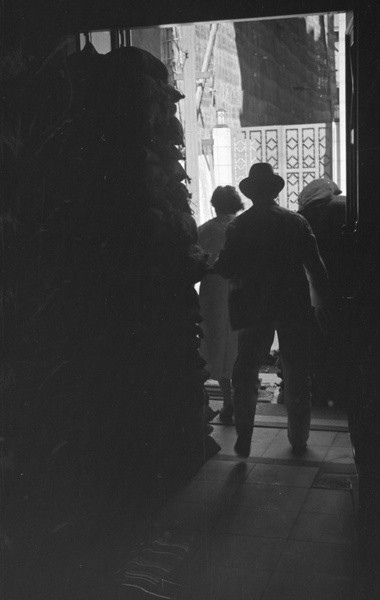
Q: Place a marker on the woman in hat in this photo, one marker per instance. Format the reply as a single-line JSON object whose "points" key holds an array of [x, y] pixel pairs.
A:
{"points": [[219, 345]]}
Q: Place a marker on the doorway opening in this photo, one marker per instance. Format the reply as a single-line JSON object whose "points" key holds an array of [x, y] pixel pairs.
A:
{"points": [[267, 90]]}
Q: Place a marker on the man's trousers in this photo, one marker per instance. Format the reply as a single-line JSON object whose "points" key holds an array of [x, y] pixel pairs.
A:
{"points": [[254, 346]]}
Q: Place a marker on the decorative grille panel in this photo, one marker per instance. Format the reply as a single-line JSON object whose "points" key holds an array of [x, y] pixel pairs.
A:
{"points": [[292, 148], [299, 153], [256, 146], [271, 147]]}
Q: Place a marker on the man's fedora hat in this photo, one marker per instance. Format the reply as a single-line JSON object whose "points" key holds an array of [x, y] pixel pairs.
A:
{"points": [[259, 174]]}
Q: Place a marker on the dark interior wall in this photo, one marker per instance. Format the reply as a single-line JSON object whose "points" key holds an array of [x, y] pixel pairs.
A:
{"points": [[118, 13], [367, 114], [53, 18]]}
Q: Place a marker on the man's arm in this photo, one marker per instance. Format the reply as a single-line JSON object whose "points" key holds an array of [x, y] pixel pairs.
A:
{"points": [[320, 292], [315, 270]]}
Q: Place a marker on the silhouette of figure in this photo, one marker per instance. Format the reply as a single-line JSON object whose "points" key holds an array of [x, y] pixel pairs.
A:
{"points": [[325, 210], [219, 345], [272, 258]]}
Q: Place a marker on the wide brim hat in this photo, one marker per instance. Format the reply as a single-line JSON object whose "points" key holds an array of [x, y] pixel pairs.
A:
{"points": [[259, 175]]}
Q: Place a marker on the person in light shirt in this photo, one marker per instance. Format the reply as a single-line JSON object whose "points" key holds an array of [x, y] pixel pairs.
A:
{"points": [[219, 344]]}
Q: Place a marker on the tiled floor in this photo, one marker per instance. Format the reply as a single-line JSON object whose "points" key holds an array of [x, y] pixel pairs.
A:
{"points": [[270, 527]]}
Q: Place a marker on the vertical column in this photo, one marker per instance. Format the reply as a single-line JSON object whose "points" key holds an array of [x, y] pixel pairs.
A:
{"points": [[342, 166], [190, 115], [222, 155]]}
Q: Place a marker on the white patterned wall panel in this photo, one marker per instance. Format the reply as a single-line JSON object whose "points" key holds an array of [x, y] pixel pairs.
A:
{"points": [[240, 158], [324, 143], [299, 153], [271, 147], [256, 146]]}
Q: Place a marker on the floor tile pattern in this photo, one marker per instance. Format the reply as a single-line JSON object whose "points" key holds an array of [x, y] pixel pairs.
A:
{"points": [[271, 526]]}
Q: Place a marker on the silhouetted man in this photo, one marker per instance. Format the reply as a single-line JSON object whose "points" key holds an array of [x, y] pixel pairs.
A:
{"points": [[272, 259]]}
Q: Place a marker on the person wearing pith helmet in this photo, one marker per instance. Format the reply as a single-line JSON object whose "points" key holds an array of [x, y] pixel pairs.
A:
{"points": [[276, 275]]}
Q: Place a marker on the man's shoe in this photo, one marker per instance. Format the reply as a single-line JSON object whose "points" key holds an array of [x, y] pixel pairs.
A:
{"points": [[299, 448], [243, 445], [226, 413]]}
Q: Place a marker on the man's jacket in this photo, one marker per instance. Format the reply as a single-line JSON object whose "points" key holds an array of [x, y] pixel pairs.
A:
{"points": [[326, 218], [271, 257]]}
